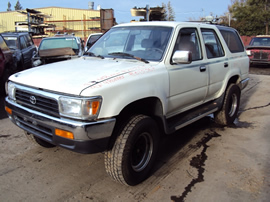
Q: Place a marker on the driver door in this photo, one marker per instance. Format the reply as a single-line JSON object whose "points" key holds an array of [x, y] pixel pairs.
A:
{"points": [[188, 82]]}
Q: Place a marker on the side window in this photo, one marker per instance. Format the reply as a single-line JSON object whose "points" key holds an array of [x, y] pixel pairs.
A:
{"points": [[28, 40], [3, 45], [188, 40], [23, 43], [232, 40], [212, 44]]}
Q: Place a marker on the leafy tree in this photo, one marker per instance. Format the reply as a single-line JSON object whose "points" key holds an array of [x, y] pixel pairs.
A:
{"points": [[169, 14], [9, 7], [164, 16], [18, 6], [250, 17]]}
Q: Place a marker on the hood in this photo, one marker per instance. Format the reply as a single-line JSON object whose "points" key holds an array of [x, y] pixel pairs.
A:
{"points": [[257, 47], [72, 76]]}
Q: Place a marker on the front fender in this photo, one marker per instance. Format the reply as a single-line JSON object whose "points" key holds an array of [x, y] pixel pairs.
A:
{"points": [[120, 91]]}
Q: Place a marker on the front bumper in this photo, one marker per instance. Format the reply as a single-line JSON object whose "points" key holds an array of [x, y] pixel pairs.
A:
{"points": [[89, 137]]}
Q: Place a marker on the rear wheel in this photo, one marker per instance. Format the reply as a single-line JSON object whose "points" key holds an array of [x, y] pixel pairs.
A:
{"points": [[133, 154], [229, 110]]}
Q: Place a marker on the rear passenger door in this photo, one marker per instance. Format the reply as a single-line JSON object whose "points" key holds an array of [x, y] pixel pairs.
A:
{"points": [[217, 64], [27, 49]]}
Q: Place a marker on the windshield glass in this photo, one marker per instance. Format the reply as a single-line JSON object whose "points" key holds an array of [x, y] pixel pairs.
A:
{"points": [[12, 42], [52, 43], [147, 42], [261, 41]]}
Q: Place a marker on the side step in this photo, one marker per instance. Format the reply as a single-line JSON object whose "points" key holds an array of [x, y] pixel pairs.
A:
{"points": [[179, 121]]}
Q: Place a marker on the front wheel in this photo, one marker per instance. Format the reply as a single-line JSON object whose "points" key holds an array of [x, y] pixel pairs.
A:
{"points": [[229, 110], [133, 154]]}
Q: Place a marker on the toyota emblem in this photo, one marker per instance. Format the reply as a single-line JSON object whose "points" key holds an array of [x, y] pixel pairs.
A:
{"points": [[33, 100]]}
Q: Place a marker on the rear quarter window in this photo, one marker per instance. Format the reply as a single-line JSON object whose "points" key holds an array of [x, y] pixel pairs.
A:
{"points": [[233, 41]]}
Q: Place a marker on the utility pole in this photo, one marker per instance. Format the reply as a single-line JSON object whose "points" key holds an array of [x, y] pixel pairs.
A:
{"points": [[267, 19], [147, 12]]}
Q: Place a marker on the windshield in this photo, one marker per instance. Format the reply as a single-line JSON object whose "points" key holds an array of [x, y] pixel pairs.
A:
{"points": [[261, 41], [52, 43], [12, 42], [146, 42]]}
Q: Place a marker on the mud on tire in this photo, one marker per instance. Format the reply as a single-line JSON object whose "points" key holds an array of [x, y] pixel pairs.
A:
{"points": [[133, 154]]}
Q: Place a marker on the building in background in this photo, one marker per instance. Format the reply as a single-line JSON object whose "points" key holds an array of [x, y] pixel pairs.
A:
{"points": [[51, 20], [149, 13]]}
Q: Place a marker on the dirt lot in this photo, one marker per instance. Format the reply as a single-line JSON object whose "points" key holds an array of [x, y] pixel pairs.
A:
{"points": [[202, 162]]}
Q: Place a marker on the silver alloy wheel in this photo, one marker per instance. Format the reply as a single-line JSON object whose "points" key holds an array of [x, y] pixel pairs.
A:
{"points": [[233, 105]]}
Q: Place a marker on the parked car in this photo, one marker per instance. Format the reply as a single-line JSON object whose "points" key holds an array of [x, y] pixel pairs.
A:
{"points": [[258, 50], [58, 48], [92, 38], [7, 64], [138, 82], [23, 46]]}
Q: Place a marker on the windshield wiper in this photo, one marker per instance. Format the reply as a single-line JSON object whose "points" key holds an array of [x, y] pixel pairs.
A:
{"points": [[93, 54], [129, 55]]}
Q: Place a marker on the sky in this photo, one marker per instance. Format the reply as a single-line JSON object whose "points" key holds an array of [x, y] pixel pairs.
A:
{"points": [[184, 9]]}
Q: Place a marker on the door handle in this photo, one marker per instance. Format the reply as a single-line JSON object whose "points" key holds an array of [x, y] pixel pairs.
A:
{"points": [[226, 64], [202, 69]]}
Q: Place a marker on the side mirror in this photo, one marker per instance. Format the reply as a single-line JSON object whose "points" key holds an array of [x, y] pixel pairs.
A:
{"points": [[182, 57]]}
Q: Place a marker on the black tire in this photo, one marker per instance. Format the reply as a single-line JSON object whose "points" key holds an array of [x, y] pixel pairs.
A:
{"points": [[230, 107], [38, 141], [133, 154]]}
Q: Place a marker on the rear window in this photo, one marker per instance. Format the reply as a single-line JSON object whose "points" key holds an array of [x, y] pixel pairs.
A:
{"points": [[52, 43], [232, 40]]}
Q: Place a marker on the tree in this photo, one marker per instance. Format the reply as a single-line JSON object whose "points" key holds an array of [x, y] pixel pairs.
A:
{"points": [[250, 17], [164, 16], [18, 6], [169, 14], [9, 7]]}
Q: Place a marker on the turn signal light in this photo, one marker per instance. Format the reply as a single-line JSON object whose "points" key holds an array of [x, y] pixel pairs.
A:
{"points": [[8, 110], [63, 133], [95, 107]]}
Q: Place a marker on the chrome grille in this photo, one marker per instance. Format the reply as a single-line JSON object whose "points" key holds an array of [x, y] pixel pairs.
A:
{"points": [[37, 102], [261, 55], [34, 127]]}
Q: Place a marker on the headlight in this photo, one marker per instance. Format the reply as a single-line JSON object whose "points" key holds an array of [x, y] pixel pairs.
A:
{"points": [[248, 52], [11, 90], [80, 108]]}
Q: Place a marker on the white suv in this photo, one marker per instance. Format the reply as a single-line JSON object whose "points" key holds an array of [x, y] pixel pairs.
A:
{"points": [[139, 81]]}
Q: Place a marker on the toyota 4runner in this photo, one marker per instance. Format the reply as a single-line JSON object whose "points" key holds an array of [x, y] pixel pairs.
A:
{"points": [[139, 81]]}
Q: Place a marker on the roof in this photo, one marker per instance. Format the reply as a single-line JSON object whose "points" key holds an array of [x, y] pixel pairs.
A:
{"points": [[14, 33], [164, 23], [263, 36]]}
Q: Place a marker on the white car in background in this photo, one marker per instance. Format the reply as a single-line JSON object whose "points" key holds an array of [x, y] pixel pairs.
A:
{"points": [[91, 40]]}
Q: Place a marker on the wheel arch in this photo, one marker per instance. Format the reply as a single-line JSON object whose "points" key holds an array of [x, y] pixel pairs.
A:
{"points": [[151, 106], [234, 79]]}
